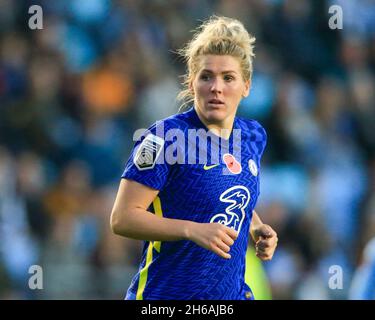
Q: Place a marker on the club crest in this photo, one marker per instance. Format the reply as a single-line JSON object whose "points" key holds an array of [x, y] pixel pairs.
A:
{"points": [[253, 167]]}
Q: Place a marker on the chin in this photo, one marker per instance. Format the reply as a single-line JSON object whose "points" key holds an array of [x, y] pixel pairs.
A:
{"points": [[216, 115]]}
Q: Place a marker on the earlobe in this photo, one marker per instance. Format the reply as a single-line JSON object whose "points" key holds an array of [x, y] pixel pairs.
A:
{"points": [[247, 89], [246, 93], [191, 88]]}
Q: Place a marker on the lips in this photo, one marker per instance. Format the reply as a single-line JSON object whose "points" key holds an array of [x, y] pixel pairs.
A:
{"points": [[215, 101]]}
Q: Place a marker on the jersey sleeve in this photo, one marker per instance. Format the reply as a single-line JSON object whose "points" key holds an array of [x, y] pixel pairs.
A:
{"points": [[263, 140], [147, 164], [259, 138], [258, 141]]}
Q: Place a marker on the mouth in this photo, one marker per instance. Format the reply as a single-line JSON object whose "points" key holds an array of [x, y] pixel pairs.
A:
{"points": [[216, 102]]}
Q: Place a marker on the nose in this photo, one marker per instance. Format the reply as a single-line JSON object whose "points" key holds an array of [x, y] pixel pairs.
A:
{"points": [[216, 86]]}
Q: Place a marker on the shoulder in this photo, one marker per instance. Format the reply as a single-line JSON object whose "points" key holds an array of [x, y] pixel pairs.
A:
{"points": [[177, 121], [253, 134], [252, 128], [162, 131]]}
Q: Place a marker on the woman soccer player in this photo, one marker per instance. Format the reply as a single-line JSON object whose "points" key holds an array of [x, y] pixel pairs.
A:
{"points": [[195, 215]]}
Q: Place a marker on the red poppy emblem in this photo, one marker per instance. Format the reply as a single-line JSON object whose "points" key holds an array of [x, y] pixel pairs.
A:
{"points": [[232, 164]]}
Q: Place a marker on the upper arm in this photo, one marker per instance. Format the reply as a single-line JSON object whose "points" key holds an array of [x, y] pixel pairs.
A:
{"points": [[130, 195], [146, 172]]}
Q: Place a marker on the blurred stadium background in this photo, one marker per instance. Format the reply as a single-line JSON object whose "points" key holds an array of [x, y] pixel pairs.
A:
{"points": [[72, 94]]}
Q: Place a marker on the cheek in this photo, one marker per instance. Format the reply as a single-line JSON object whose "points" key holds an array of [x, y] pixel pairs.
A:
{"points": [[235, 93], [200, 90]]}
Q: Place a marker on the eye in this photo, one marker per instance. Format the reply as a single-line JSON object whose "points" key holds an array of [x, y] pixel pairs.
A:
{"points": [[205, 77], [228, 78]]}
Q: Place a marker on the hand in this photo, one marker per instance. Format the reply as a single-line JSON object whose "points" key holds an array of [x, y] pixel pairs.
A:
{"points": [[213, 236], [265, 242]]}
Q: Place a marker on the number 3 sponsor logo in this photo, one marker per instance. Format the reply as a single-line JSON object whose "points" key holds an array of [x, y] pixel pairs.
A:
{"points": [[238, 198]]}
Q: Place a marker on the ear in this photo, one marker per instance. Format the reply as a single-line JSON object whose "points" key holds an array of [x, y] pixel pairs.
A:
{"points": [[246, 90]]}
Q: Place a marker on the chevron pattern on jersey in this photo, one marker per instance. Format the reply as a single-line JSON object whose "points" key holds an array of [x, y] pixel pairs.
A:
{"points": [[182, 269]]}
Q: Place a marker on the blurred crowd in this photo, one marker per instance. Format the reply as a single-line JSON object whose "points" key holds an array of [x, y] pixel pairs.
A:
{"points": [[73, 93]]}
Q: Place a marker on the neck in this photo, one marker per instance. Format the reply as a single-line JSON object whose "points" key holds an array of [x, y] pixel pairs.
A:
{"points": [[222, 129]]}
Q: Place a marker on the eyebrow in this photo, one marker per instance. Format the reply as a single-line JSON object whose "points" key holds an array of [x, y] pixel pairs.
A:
{"points": [[223, 72]]}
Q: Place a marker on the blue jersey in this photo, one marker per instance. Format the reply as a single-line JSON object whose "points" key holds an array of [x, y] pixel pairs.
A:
{"points": [[222, 187]]}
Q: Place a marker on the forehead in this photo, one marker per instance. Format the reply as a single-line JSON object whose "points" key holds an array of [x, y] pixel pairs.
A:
{"points": [[219, 63]]}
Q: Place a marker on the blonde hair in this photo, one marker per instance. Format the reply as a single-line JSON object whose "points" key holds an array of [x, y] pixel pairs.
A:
{"points": [[217, 36]]}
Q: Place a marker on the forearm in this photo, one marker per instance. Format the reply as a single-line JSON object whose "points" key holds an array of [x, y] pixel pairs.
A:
{"points": [[255, 223], [141, 224]]}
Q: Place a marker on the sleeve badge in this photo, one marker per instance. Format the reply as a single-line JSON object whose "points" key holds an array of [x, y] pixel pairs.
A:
{"points": [[148, 152]]}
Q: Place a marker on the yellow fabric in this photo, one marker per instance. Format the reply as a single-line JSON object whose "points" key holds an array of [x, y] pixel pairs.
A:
{"points": [[159, 213], [255, 276], [153, 245], [144, 273]]}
